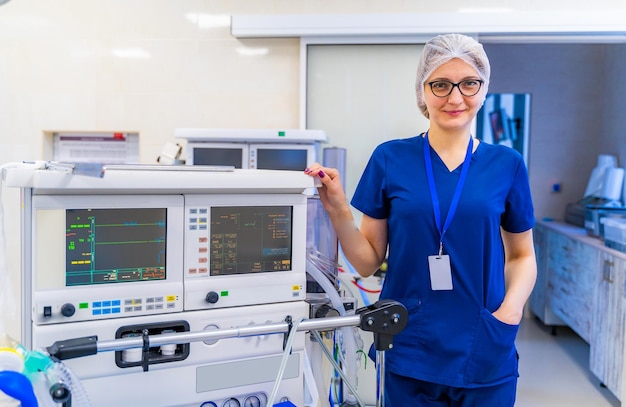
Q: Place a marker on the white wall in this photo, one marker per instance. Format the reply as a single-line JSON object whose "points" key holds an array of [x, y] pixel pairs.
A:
{"points": [[574, 116]]}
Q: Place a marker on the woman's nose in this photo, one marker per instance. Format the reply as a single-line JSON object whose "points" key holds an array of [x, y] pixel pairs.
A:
{"points": [[455, 96]]}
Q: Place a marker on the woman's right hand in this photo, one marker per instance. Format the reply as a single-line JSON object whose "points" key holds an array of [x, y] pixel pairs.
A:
{"points": [[331, 192]]}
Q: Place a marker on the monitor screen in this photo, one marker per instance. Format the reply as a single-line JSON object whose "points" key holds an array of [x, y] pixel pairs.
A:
{"points": [[115, 245], [250, 239], [282, 159], [218, 156]]}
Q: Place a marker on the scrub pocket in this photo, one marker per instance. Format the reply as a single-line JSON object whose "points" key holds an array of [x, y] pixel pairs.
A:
{"points": [[493, 356]]}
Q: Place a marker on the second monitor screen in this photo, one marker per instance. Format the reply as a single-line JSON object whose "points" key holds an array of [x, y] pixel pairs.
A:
{"points": [[250, 239]]}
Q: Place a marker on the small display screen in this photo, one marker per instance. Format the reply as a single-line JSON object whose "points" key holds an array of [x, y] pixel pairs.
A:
{"points": [[115, 245], [218, 156], [281, 159], [250, 239]]}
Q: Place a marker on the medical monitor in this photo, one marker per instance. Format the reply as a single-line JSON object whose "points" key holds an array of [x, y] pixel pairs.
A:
{"points": [[105, 246], [293, 157], [244, 250], [267, 156], [230, 154], [250, 239], [106, 256]]}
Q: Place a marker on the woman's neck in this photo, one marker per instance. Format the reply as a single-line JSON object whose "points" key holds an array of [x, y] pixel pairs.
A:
{"points": [[451, 147], [446, 140]]}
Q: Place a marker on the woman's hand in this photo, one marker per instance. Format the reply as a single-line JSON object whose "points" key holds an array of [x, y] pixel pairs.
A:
{"points": [[331, 192], [508, 316], [365, 248]]}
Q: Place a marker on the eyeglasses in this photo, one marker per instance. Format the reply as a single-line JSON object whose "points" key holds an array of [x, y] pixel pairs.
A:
{"points": [[468, 87]]}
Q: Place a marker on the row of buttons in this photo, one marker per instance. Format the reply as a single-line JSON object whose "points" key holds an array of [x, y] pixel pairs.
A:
{"points": [[200, 223], [106, 307], [203, 241], [106, 311], [130, 305]]}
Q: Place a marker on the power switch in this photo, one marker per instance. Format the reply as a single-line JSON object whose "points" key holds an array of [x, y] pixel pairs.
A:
{"points": [[47, 311]]}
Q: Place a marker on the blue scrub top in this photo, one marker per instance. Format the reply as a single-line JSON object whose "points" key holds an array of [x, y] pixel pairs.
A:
{"points": [[452, 337]]}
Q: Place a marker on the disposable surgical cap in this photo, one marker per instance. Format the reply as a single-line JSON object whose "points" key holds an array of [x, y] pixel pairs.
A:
{"points": [[441, 49]]}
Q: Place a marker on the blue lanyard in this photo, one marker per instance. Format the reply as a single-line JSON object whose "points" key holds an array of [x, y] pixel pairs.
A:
{"points": [[433, 189]]}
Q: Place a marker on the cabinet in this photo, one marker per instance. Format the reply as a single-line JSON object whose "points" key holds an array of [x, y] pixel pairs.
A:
{"points": [[572, 268], [606, 352], [580, 283], [538, 302]]}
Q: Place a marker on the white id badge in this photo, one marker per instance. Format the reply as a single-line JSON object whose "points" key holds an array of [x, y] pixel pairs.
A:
{"points": [[440, 272]]}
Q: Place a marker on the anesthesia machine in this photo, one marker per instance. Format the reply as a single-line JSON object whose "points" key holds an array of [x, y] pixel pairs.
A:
{"points": [[180, 285]]}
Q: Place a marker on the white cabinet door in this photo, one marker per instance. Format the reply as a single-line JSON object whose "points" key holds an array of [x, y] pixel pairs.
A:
{"points": [[572, 274], [606, 357], [539, 298]]}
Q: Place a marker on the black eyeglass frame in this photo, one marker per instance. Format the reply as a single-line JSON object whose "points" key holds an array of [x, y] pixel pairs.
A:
{"points": [[456, 85]]}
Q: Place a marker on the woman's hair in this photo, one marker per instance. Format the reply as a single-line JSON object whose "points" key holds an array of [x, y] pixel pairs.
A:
{"points": [[441, 49]]}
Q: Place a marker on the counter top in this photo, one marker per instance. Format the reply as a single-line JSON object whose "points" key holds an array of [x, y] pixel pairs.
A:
{"points": [[581, 235]]}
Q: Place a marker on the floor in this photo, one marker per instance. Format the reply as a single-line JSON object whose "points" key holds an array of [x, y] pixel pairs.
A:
{"points": [[554, 370]]}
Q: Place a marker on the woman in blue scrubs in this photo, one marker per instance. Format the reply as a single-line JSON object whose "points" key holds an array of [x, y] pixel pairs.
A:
{"points": [[454, 218]]}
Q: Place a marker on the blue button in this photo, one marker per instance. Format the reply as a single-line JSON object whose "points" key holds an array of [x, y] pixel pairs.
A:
{"points": [[106, 311], [116, 310], [106, 303], [97, 312], [116, 303], [97, 304]]}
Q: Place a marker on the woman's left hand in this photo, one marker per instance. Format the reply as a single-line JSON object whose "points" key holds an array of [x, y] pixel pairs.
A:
{"points": [[507, 315]]}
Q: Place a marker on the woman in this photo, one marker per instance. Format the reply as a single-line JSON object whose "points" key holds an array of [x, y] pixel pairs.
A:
{"points": [[454, 218]]}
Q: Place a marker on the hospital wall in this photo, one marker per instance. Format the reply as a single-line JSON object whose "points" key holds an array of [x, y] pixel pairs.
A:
{"points": [[154, 65]]}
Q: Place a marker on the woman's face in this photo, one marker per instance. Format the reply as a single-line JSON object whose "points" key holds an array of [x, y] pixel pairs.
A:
{"points": [[454, 111]]}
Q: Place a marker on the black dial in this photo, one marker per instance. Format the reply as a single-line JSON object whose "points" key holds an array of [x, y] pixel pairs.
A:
{"points": [[212, 297], [68, 310]]}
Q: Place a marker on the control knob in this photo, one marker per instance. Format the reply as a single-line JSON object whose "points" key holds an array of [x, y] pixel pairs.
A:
{"points": [[212, 297], [68, 310]]}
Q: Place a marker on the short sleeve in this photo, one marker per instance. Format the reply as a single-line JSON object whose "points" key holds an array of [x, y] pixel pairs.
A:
{"points": [[519, 212], [370, 196]]}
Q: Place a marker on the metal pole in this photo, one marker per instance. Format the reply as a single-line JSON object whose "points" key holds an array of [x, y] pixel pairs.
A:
{"points": [[318, 324], [380, 374]]}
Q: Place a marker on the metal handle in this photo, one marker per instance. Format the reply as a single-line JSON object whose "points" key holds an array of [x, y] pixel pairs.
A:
{"points": [[607, 271]]}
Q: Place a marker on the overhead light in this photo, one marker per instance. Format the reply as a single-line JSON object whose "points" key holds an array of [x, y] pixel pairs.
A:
{"points": [[131, 53], [252, 51], [204, 20]]}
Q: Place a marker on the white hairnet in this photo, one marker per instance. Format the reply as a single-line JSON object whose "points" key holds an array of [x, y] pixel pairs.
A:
{"points": [[441, 49]]}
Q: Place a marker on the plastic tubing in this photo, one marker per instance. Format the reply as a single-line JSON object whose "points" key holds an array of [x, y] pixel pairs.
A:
{"points": [[283, 362], [348, 333], [61, 373]]}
